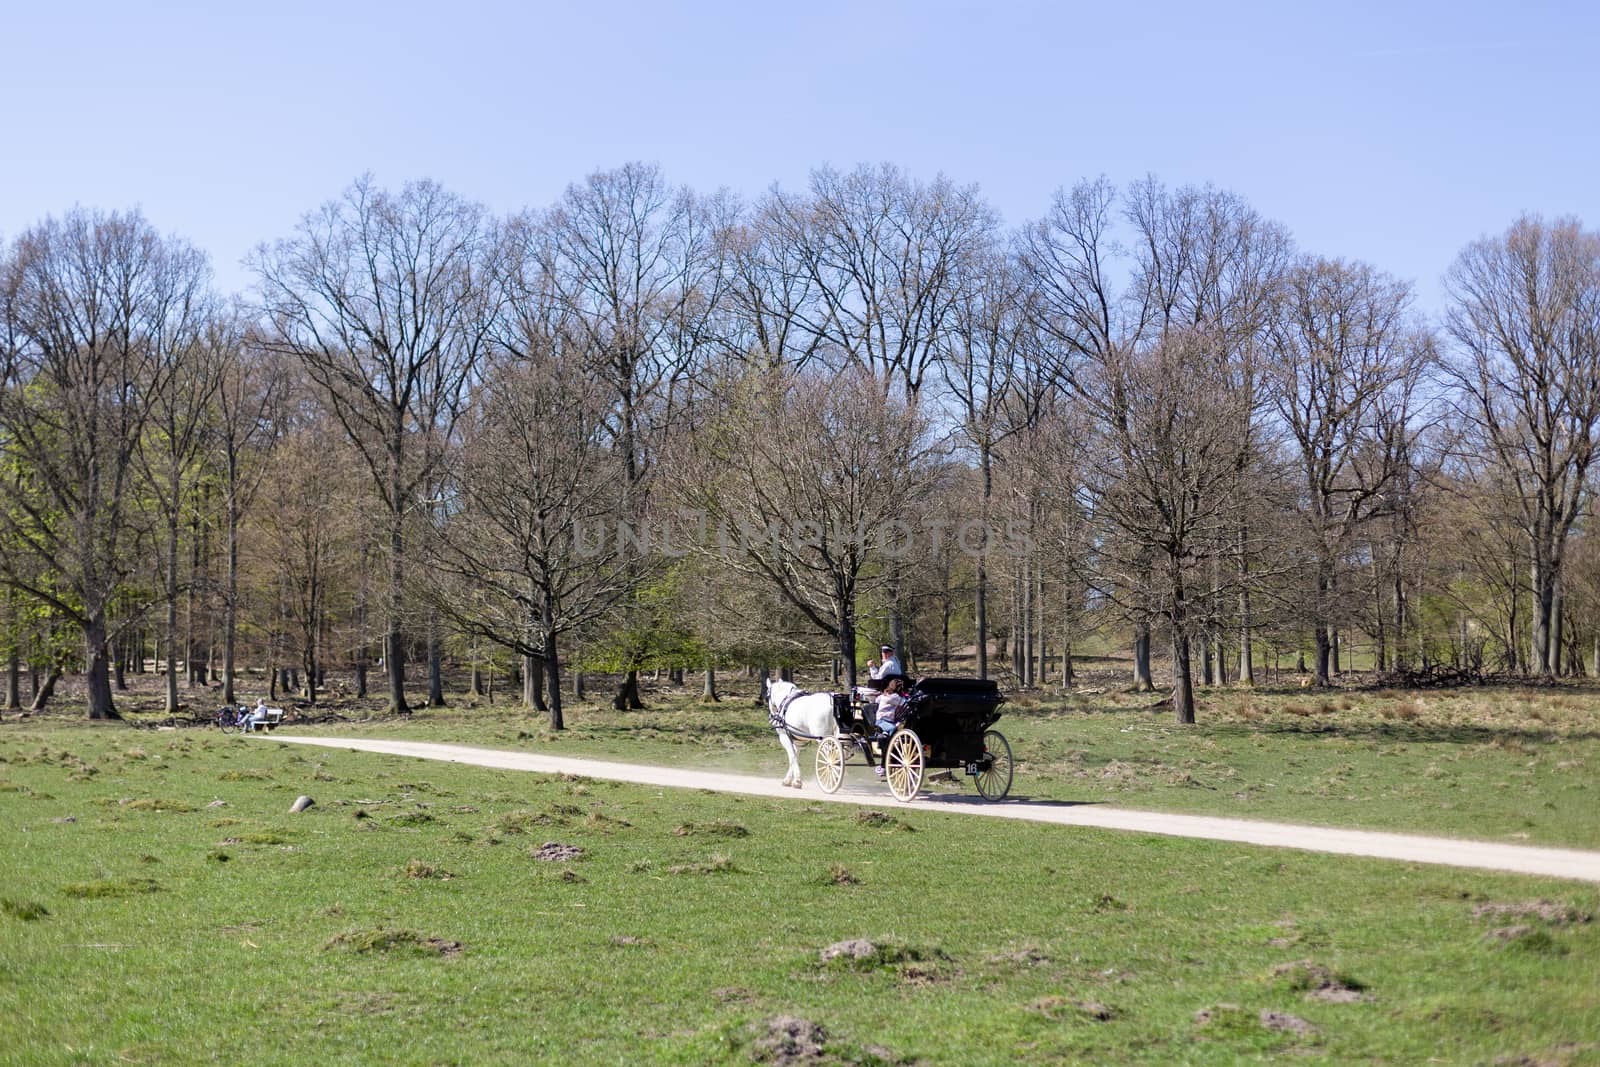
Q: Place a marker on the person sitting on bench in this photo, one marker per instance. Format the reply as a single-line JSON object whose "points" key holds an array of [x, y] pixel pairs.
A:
{"points": [[259, 715]]}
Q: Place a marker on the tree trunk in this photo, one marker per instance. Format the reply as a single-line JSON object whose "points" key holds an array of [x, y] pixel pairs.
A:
{"points": [[1182, 684], [708, 693], [363, 639], [944, 633], [13, 679], [578, 689], [985, 464], [552, 662], [98, 676], [394, 652], [1323, 655], [1247, 667], [42, 694], [627, 698], [1544, 602], [533, 683], [846, 625], [1556, 611], [1025, 624], [435, 663], [1205, 661], [171, 591], [1142, 681]]}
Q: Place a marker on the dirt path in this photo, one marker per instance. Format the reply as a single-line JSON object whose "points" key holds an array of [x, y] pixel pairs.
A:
{"points": [[860, 789]]}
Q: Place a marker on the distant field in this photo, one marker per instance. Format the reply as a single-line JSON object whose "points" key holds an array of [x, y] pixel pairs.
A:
{"points": [[429, 913]]}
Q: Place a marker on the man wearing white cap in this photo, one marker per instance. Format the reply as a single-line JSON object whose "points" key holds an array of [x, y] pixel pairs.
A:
{"points": [[889, 668]]}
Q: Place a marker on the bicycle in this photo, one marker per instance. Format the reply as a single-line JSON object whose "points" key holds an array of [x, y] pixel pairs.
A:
{"points": [[232, 718]]}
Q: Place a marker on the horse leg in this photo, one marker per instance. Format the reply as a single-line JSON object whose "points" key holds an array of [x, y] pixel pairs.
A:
{"points": [[792, 775]]}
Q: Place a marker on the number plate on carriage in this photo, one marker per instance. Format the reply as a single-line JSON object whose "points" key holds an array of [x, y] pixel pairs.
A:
{"points": [[973, 769]]}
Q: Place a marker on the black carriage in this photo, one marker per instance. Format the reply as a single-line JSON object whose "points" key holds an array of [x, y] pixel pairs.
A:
{"points": [[946, 725]]}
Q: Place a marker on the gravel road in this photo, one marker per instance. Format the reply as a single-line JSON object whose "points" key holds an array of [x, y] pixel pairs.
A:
{"points": [[861, 789]]}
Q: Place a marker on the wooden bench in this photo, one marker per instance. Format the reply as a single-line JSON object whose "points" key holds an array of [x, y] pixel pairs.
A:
{"points": [[274, 717]]}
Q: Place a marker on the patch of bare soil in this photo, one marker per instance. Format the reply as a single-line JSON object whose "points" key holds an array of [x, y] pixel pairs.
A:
{"points": [[1319, 983], [1548, 911], [1291, 1024], [1062, 1007], [1560, 1056], [789, 1041], [555, 852]]}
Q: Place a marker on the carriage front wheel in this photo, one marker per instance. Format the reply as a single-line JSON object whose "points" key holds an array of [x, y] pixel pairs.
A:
{"points": [[903, 764], [994, 781], [830, 764]]}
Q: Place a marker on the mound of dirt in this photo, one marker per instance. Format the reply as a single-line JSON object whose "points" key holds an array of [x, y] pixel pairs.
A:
{"points": [[788, 1041], [556, 852]]}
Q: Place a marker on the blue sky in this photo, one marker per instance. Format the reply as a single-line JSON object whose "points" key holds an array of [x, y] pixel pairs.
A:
{"points": [[1390, 132]]}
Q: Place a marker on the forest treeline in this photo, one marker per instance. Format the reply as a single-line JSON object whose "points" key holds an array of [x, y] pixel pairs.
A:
{"points": [[651, 428]]}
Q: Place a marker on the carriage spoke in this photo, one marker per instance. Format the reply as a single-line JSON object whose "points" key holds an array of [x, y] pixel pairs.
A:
{"points": [[830, 764], [994, 782], [903, 767]]}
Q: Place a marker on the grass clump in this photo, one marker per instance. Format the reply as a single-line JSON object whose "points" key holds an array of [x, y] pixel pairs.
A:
{"points": [[26, 910], [423, 869], [386, 941], [152, 804], [885, 953], [717, 864], [717, 828], [110, 887], [412, 818]]}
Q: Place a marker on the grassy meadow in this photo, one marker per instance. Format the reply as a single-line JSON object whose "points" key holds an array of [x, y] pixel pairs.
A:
{"points": [[160, 904]]}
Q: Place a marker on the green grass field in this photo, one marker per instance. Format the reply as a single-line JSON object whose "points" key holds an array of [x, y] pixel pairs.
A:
{"points": [[425, 913]]}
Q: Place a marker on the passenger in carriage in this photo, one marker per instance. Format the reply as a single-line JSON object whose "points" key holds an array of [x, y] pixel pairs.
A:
{"points": [[891, 705], [891, 709]]}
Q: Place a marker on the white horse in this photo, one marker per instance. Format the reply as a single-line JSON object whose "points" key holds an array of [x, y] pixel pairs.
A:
{"points": [[806, 716]]}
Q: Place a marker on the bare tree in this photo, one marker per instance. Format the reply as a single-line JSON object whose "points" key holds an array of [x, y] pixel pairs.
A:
{"points": [[804, 481], [993, 370], [1170, 439], [249, 404], [1345, 361], [92, 305], [634, 267], [383, 299], [180, 419], [529, 552], [1525, 318], [882, 257]]}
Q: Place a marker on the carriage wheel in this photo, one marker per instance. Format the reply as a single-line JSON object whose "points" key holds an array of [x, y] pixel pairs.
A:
{"points": [[903, 765], [995, 782], [830, 764]]}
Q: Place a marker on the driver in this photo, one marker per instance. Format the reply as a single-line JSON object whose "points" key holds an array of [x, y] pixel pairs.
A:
{"points": [[888, 668]]}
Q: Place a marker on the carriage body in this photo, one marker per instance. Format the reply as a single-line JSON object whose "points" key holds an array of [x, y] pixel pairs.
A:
{"points": [[946, 725], [951, 715]]}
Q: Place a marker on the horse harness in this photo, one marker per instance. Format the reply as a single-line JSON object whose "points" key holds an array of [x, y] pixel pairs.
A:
{"points": [[779, 716]]}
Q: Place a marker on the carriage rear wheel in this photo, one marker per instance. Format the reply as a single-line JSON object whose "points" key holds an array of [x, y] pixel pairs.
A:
{"points": [[903, 765], [830, 764], [994, 782]]}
